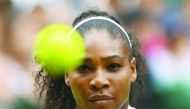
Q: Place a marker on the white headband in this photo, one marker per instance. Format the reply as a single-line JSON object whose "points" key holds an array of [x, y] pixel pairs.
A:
{"points": [[102, 18]]}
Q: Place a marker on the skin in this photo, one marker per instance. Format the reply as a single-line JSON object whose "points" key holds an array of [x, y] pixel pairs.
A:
{"points": [[104, 80]]}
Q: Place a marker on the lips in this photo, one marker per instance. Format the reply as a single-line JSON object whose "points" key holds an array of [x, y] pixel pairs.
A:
{"points": [[100, 97]]}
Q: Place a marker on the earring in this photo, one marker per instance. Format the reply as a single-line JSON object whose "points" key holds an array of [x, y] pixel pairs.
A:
{"points": [[133, 77], [67, 81]]}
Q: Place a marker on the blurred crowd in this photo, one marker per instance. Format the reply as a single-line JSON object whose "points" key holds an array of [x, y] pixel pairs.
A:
{"points": [[162, 27]]}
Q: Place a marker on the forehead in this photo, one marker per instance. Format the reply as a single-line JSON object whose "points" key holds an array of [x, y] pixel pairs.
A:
{"points": [[101, 41]]}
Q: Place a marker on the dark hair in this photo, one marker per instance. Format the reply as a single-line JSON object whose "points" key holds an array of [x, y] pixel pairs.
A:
{"points": [[100, 24], [58, 95]]}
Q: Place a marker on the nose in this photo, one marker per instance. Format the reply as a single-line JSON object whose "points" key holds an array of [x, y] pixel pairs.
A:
{"points": [[99, 81]]}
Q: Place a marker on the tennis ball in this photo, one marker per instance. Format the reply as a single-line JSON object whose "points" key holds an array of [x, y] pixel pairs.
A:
{"points": [[58, 50]]}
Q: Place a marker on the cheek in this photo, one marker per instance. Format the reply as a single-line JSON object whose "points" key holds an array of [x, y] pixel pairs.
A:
{"points": [[125, 89], [122, 85], [79, 87]]}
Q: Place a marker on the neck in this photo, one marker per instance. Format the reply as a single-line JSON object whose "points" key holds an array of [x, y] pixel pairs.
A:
{"points": [[78, 107], [124, 106]]}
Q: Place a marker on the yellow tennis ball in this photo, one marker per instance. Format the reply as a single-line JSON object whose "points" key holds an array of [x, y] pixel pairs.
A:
{"points": [[58, 50]]}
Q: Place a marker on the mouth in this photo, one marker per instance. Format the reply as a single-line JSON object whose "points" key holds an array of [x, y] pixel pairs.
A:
{"points": [[100, 98]]}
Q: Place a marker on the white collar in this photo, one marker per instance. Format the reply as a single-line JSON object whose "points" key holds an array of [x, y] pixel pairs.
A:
{"points": [[129, 107]]}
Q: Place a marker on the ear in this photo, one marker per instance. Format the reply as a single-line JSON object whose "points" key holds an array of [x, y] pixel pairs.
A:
{"points": [[67, 81], [133, 70]]}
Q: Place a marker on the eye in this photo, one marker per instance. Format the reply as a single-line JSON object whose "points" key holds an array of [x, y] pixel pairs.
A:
{"points": [[114, 67], [84, 68]]}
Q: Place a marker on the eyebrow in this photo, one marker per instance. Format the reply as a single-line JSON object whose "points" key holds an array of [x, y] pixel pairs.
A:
{"points": [[115, 56], [112, 57], [87, 60]]}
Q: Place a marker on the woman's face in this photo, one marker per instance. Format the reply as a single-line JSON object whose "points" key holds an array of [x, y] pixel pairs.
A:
{"points": [[103, 81]]}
